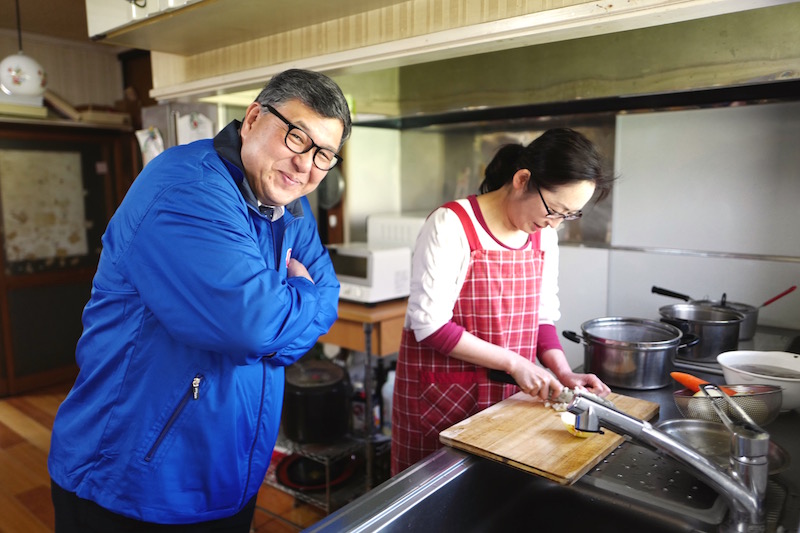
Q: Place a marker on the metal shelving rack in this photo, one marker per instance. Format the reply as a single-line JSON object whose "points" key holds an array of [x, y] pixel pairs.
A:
{"points": [[375, 329], [326, 454]]}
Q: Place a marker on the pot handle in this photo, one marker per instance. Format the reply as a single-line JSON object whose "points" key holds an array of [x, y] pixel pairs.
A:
{"points": [[690, 340], [667, 292], [571, 335]]}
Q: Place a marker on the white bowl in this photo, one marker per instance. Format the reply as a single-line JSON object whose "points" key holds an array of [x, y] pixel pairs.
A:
{"points": [[765, 368]]}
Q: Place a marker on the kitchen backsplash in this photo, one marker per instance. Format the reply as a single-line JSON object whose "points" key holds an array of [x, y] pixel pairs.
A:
{"points": [[705, 204]]}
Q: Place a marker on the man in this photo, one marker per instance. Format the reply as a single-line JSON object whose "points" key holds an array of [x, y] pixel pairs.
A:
{"points": [[211, 280]]}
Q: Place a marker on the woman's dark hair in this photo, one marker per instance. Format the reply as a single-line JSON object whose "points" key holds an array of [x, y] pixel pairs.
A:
{"points": [[560, 156], [315, 90]]}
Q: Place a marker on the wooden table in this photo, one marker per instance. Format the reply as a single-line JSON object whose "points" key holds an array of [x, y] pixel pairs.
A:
{"points": [[374, 329]]}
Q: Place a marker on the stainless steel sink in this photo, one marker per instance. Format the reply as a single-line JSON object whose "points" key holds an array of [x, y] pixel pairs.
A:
{"points": [[455, 491]]}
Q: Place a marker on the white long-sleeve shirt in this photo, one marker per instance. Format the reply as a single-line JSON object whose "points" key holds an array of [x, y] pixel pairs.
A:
{"points": [[439, 268]]}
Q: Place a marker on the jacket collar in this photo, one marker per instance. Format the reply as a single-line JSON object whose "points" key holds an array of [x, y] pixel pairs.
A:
{"points": [[228, 145]]}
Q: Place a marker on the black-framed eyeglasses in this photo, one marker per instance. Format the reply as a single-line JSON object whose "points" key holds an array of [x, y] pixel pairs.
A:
{"points": [[555, 214], [300, 142]]}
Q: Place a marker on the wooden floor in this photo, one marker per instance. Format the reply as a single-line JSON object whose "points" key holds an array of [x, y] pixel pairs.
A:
{"points": [[25, 505]]}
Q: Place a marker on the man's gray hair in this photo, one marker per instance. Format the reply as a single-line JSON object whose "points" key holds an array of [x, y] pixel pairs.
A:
{"points": [[315, 90]]}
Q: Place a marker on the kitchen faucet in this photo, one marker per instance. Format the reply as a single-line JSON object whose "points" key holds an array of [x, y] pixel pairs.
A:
{"points": [[743, 485]]}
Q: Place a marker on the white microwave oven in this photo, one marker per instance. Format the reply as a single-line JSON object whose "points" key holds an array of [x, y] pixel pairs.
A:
{"points": [[370, 273]]}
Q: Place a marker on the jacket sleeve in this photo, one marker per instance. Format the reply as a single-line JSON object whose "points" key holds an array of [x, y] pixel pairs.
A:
{"points": [[193, 260], [309, 250]]}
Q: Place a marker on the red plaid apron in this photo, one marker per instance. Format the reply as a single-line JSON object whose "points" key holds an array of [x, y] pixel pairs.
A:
{"points": [[498, 303]]}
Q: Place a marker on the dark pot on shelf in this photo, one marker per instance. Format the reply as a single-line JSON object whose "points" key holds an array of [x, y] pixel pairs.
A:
{"points": [[316, 402]]}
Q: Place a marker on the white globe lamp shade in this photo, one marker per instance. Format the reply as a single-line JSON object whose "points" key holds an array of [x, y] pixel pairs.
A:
{"points": [[22, 80]]}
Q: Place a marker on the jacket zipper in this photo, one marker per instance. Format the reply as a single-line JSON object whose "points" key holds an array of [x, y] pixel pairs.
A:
{"points": [[258, 430], [278, 246], [193, 393]]}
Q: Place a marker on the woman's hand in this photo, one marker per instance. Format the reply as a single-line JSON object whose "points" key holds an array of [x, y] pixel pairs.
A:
{"points": [[534, 379], [590, 382], [555, 360]]}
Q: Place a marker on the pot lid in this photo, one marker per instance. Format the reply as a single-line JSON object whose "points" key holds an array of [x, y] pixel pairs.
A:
{"points": [[309, 374], [331, 189], [631, 331], [736, 306], [701, 314]]}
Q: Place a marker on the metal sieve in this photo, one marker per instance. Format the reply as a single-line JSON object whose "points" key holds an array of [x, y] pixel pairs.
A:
{"points": [[761, 402]]}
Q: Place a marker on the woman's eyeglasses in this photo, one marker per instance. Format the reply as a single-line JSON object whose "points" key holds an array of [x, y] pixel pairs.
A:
{"points": [[555, 214]]}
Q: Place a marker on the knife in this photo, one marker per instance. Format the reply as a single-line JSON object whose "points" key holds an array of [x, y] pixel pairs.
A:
{"points": [[565, 396]]}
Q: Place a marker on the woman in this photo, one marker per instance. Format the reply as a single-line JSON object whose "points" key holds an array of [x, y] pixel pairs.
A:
{"points": [[483, 292]]}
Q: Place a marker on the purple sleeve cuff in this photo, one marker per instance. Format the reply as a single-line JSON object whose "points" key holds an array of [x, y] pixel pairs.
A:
{"points": [[444, 339], [548, 339]]}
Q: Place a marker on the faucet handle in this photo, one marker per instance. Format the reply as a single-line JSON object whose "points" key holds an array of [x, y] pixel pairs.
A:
{"points": [[750, 444]]}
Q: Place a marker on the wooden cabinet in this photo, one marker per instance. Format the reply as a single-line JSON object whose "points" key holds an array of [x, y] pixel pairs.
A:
{"points": [[188, 27], [59, 186]]}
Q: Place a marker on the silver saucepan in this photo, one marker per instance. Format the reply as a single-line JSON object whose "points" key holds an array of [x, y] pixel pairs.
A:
{"points": [[717, 327], [631, 353], [747, 328]]}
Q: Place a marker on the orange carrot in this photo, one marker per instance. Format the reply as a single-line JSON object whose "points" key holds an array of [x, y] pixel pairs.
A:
{"points": [[693, 382]]}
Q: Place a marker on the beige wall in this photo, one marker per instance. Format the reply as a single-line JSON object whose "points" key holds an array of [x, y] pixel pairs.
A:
{"points": [[373, 92], [742, 48]]}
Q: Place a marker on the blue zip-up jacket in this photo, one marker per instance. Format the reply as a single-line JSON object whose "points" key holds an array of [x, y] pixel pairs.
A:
{"points": [[192, 318]]}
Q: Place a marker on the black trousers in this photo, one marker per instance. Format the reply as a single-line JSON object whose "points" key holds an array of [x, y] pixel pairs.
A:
{"points": [[76, 515]]}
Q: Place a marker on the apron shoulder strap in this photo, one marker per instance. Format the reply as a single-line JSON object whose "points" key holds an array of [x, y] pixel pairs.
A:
{"points": [[469, 229], [472, 236]]}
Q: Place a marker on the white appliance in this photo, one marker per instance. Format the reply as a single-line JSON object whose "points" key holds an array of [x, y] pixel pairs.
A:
{"points": [[371, 273], [395, 228]]}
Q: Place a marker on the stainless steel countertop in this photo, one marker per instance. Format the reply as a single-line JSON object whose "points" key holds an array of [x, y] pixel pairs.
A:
{"points": [[784, 431], [386, 508]]}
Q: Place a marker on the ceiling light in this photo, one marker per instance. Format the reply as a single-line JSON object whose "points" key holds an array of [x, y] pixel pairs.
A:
{"points": [[22, 78]]}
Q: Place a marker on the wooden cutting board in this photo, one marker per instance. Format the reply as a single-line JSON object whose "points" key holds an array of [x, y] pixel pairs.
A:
{"points": [[520, 431]]}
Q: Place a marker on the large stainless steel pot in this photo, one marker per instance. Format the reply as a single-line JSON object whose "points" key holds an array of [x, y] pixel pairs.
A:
{"points": [[747, 329], [717, 328], [632, 353]]}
